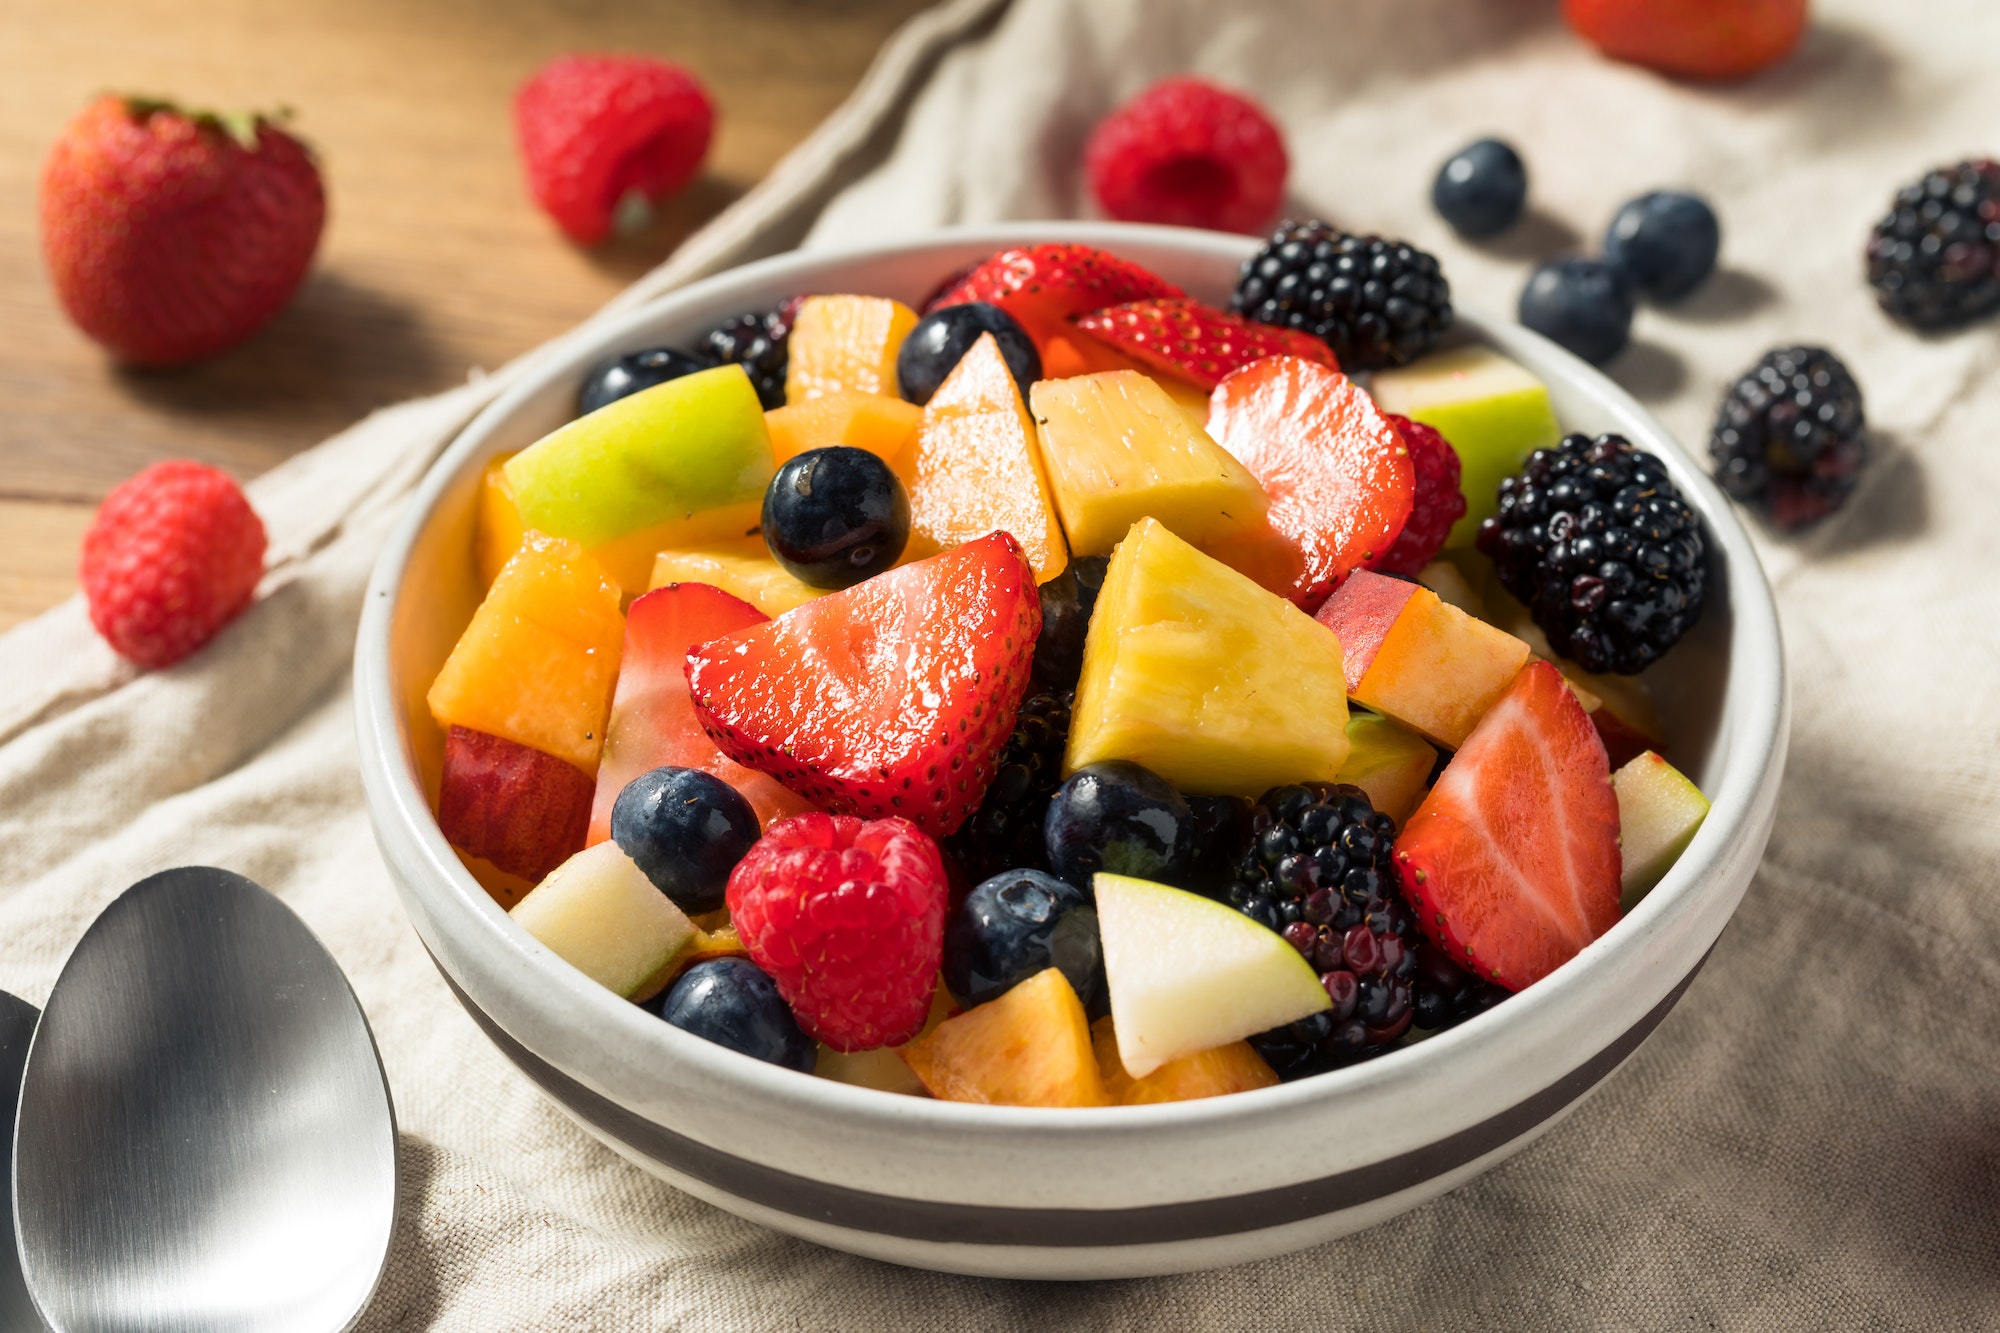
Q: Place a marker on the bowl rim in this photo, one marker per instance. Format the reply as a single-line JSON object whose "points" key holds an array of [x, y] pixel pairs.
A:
{"points": [[1751, 763]]}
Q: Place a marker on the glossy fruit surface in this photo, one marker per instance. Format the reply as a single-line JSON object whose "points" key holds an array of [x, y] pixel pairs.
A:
{"points": [[1694, 39], [1195, 343], [1511, 863], [1585, 305], [686, 830], [1338, 475], [1121, 817], [848, 918], [1659, 812], [1189, 153], [1041, 286], [1067, 601], [1015, 925], [1436, 503], [892, 697], [1235, 1067], [941, 339], [1665, 243], [522, 810], [834, 517], [599, 913], [845, 344], [883, 426], [1481, 188], [1029, 1047], [623, 376], [743, 568], [733, 1002]]}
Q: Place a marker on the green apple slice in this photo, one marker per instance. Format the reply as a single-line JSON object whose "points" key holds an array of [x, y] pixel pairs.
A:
{"points": [[666, 453], [601, 915], [1490, 410], [1658, 813], [1188, 974]]}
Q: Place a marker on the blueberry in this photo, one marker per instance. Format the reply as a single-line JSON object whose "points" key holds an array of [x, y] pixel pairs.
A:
{"points": [[1067, 601], [940, 338], [1665, 243], [1480, 189], [732, 1002], [835, 516], [1120, 817], [624, 376], [1582, 304], [686, 830], [1014, 925]]}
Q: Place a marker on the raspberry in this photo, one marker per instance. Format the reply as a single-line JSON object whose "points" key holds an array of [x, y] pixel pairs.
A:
{"points": [[1188, 153], [848, 918], [606, 137], [173, 555], [1439, 502]]}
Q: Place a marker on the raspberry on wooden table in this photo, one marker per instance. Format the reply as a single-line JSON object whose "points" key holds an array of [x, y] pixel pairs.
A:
{"points": [[848, 918], [172, 556], [1191, 154]]}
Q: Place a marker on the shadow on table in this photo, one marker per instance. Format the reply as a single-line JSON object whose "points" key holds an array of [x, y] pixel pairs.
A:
{"points": [[408, 1295], [629, 258], [1649, 371]]}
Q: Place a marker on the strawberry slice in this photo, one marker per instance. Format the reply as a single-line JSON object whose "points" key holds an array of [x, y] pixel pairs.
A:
{"points": [[1195, 342], [892, 697], [1041, 286], [1338, 474], [652, 718], [1511, 863]]}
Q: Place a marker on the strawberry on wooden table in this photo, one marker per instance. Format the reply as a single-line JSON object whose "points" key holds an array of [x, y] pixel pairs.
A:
{"points": [[1511, 864], [892, 697], [172, 235], [1195, 342], [1041, 286]]}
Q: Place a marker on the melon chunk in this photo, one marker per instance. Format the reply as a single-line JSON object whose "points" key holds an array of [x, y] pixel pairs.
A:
{"points": [[975, 467], [1659, 812], [1189, 974], [600, 914], [538, 661], [742, 568], [1118, 448], [1417, 658], [1235, 1067], [1194, 671], [1030, 1047], [1388, 761], [845, 344], [882, 425]]}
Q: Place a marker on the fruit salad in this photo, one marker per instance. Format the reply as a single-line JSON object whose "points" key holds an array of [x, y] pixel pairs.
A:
{"points": [[1073, 693]]}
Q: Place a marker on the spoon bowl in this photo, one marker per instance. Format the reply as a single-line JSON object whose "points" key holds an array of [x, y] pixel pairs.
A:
{"points": [[205, 1138], [17, 1028]]}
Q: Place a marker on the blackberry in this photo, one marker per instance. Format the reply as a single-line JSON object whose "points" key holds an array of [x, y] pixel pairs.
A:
{"points": [[1934, 260], [756, 341], [1376, 302], [1790, 435], [1005, 832], [1598, 543], [1317, 870], [1447, 994]]}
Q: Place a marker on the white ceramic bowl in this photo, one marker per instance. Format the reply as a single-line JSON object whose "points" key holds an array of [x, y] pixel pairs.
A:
{"points": [[1042, 1193]]}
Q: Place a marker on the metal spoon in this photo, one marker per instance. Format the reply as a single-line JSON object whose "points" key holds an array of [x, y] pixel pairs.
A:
{"points": [[205, 1139], [17, 1027]]}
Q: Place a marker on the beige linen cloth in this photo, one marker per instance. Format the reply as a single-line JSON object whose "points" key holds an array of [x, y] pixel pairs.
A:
{"points": [[1812, 1140]]}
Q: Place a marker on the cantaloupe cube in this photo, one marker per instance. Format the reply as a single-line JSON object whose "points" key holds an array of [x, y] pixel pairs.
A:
{"points": [[845, 344], [882, 425], [1117, 449], [1030, 1047], [743, 568], [538, 662], [975, 467], [1419, 659], [497, 529], [1195, 671], [1235, 1067]]}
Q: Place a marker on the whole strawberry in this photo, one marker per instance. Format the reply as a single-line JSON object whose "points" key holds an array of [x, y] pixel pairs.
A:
{"points": [[848, 918], [172, 556], [1692, 39], [173, 235], [605, 138]]}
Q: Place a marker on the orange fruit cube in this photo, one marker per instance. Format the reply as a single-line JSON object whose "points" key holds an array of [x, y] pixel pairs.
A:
{"points": [[845, 344], [1235, 1067], [883, 426], [1030, 1047]]}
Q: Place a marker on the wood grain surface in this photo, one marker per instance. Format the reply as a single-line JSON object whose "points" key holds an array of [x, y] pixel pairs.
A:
{"points": [[434, 261]]}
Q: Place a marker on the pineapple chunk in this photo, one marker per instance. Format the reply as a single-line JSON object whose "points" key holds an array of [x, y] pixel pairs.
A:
{"points": [[1030, 1047], [1204, 677], [1389, 762], [975, 469], [1234, 1067], [845, 344], [741, 568], [1118, 448]]}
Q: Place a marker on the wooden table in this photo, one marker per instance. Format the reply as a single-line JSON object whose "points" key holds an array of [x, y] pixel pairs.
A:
{"points": [[434, 260]]}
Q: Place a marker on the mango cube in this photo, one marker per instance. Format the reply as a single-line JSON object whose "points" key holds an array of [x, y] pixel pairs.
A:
{"points": [[883, 426], [1030, 1047], [845, 344]]}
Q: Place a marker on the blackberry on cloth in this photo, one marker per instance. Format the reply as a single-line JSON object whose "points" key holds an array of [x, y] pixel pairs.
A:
{"points": [[1934, 260], [1790, 435]]}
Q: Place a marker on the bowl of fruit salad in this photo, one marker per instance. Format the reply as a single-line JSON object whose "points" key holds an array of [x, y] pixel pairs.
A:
{"points": [[1069, 750]]}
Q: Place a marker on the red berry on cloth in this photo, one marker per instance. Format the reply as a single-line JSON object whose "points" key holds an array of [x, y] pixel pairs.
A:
{"points": [[848, 918], [1438, 504], [173, 555], [1694, 39], [173, 235], [1189, 153], [604, 138]]}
